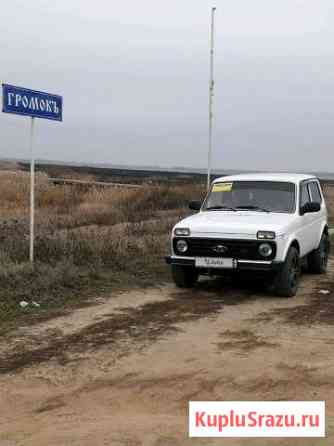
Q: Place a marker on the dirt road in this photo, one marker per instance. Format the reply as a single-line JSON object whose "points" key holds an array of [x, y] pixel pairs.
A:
{"points": [[121, 372]]}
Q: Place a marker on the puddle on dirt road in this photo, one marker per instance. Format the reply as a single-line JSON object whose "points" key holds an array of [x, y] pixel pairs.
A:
{"points": [[140, 325]]}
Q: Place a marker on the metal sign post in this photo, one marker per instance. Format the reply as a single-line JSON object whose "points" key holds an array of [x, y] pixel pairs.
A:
{"points": [[211, 89], [32, 191], [36, 104]]}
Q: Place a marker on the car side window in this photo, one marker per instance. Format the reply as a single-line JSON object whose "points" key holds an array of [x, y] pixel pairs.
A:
{"points": [[304, 195], [315, 192]]}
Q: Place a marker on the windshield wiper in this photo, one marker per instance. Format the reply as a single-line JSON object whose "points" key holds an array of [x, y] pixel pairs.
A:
{"points": [[252, 208], [220, 208]]}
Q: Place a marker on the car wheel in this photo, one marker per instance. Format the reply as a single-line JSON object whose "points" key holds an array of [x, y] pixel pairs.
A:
{"points": [[317, 260], [184, 276], [287, 280]]}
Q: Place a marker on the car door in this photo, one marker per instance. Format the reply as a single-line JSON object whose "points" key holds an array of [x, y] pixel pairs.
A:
{"points": [[316, 217], [306, 221]]}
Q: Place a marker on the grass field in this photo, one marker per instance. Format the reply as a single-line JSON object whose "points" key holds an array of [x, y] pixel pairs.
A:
{"points": [[328, 190], [87, 241]]}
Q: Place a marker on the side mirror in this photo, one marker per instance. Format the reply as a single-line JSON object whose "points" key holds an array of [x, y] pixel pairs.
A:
{"points": [[195, 205], [310, 207]]}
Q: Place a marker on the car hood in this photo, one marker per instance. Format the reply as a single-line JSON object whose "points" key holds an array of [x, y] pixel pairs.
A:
{"points": [[242, 224]]}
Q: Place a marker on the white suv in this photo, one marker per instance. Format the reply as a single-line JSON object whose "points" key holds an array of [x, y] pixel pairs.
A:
{"points": [[272, 223]]}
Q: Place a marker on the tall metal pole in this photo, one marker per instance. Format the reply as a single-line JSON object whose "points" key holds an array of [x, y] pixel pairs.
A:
{"points": [[32, 191], [211, 90]]}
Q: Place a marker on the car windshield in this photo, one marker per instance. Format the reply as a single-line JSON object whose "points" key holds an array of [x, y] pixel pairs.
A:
{"points": [[261, 196]]}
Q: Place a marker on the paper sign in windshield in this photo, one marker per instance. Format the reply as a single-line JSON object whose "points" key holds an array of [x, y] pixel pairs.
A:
{"points": [[222, 187]]}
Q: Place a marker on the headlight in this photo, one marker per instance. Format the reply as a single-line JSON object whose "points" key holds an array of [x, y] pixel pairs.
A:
{"points": [[265, 250], [266, 235], [181, 246], [182, 231]]}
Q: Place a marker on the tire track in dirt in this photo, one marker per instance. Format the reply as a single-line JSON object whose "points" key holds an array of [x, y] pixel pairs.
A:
{"points": [[147, 323], [141, 325], [173, 346]]}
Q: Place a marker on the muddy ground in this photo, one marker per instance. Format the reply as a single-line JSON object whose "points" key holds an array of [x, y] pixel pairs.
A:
{"points": [[121, 372]]}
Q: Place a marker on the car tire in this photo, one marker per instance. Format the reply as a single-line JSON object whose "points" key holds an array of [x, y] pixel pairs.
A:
{"points": [[317, 260], [184, 276], [287, 280]]}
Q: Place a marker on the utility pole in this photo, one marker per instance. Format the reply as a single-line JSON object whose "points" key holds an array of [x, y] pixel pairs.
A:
{"points": [[211, 91]]}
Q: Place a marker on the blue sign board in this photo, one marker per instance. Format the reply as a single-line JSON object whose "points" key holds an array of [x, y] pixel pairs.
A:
{"points": [[22, 101]]}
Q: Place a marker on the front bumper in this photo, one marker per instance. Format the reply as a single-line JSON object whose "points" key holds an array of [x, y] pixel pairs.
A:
{"points": [[240, 265]]}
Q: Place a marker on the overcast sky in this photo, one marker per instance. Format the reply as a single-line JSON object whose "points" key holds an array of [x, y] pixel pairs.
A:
{"points": [[134, 77]]}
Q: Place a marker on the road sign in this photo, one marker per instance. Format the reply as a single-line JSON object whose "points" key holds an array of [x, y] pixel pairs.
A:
{"points": [[34, 104], [37, 104]]}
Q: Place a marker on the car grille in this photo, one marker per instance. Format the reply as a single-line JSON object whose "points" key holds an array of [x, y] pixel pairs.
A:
{"points": [[237, 249]]}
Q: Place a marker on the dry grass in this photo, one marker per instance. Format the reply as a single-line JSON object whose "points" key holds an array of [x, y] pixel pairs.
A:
{"points": [[85, 238], [328, 190]]}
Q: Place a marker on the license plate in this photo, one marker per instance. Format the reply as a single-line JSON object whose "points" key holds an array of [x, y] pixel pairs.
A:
{"points": [[213, 262]]}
